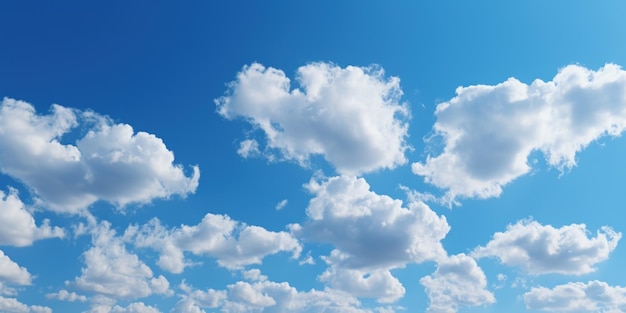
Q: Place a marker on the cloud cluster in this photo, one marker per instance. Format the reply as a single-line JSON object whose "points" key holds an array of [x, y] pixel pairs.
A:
{"points": [[110, 162], [543, 249], [371, 234], [594, 296], [12, 305], [457, 281], [234, 244], [370, 231], [351, 116], [267, 296], [17, 225], [489, 132], [112, 271]]}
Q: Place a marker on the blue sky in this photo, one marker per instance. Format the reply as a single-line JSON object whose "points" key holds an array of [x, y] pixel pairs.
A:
{"points": [[312, 156]]}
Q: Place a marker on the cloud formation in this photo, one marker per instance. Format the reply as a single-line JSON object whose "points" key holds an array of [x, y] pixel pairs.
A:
{"points": [[233, 243], [351, 116], [594, 296], [11, 273], [12, 305], [267, 296], [17, 225], [112, 271], [457, 281], [489, 132], [368, 230], [539, 249], [110, 162]]}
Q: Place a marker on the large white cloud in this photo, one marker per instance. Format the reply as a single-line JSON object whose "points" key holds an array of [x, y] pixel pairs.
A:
{"points": [[489, 132], [112, 271], [110, 162], [12, 273], [351, 116], [17, 225], [234, 244], [368, 230], [268, 296], [458, 281], [594, 296], [542, 249]]}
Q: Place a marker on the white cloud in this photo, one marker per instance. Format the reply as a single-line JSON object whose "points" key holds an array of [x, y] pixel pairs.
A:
{"points": [[12, 305], [267, 296], [281, 205], [17, 225], [458, 281], [233, 243], [539, 249], [594, 296], [65, 295], [489, 132], [370, 231], [136, 307], [110, 162], [351, 116], [378, 284], [113, 271], [248, 148], [107, 306], [12, 273]]}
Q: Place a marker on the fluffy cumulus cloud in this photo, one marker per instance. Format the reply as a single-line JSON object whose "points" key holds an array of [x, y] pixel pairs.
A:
{"points": [[489, 132], [594, 296], [378, 284], [112, 271], [12, 305], [110, 162], [234, 244], [351, 116], [65, 295], [267, 296], [12, 273], [370, 231], [457, 281], [17, 225], [542, 249]]}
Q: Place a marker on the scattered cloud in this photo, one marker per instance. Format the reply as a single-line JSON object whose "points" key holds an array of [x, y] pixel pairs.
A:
{"points": [[17, 225], [370, 231], [539, 249], [110, 162], [64, 295], [351, 116], [594, 296], [233, 243], [457, 281], [248, 148], [112, 271], [489, 132], [12, 305], [281, 205]]}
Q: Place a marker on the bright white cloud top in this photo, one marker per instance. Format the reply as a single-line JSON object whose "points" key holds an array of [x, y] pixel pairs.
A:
{"points": [[594, 296], [457, 282], [232, 243], [489, 132], [539, 249], [351, 116], [109, 162]]}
